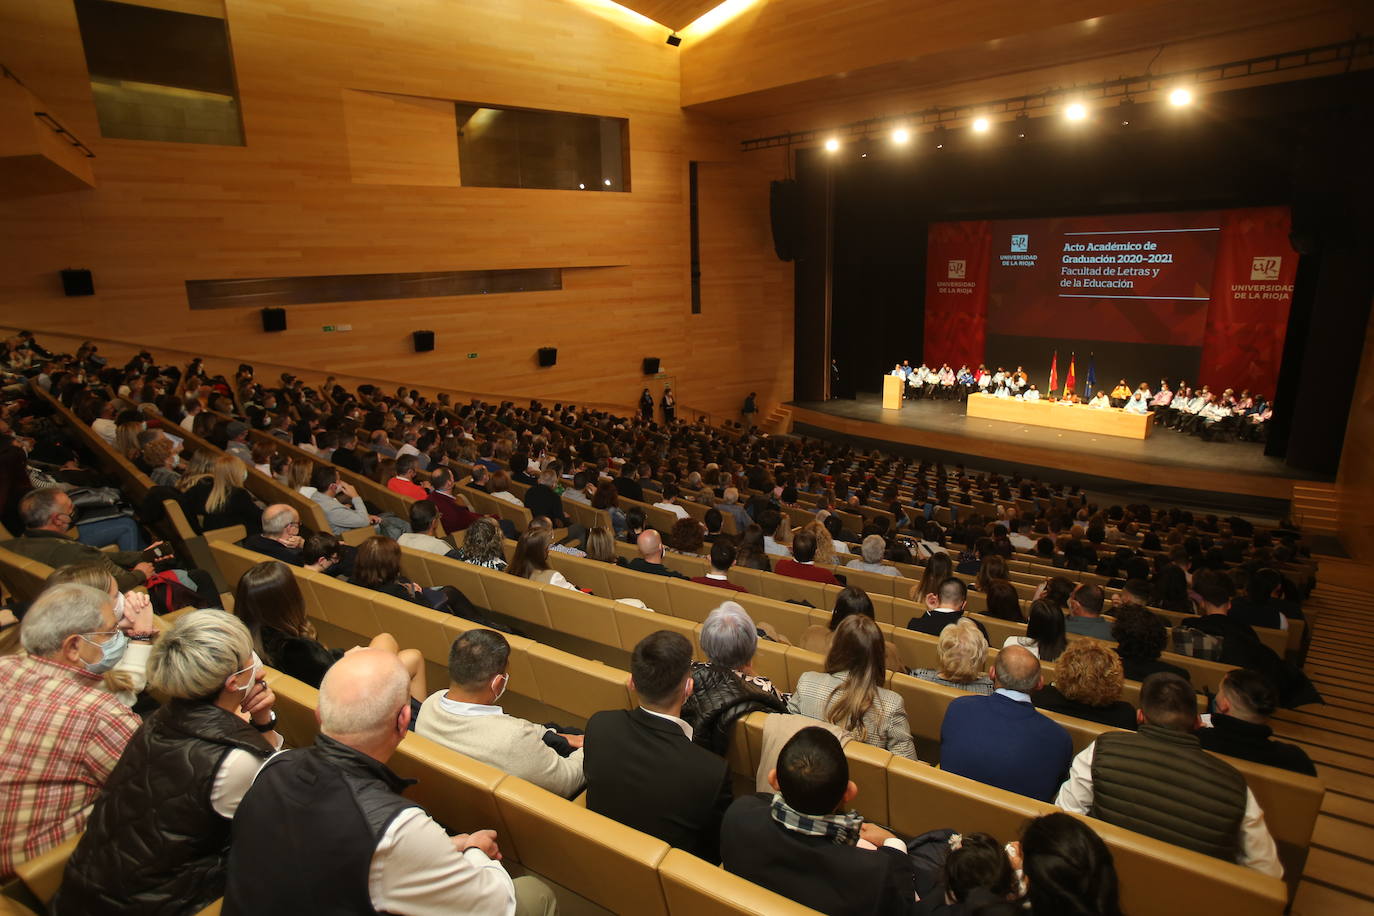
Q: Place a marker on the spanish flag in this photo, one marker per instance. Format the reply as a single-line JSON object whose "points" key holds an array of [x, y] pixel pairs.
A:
{"points": [[1069, 380]]}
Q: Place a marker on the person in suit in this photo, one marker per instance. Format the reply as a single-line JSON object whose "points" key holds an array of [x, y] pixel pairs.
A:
{"points": [[642, 767], [1240, 724], [1002, 740], [802, 843], [650, 559], [542, 499], [801, 565]]}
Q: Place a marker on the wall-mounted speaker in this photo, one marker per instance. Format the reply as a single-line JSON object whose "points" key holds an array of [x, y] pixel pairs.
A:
{"points": [[273, 319], [651, 365], [78, 283], [784, 211], [424, 341], [547, 356]]}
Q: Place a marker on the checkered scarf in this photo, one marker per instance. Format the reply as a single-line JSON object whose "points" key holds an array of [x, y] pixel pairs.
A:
{"points": [[840, 829]]}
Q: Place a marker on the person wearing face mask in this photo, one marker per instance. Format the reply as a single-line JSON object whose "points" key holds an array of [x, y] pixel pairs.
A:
{"points": [[49, 517], [192, 761], [133, 616], [64, 733], [466, 717]]}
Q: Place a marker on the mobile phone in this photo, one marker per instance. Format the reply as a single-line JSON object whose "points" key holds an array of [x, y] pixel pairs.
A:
{"points": [[157, 552]]}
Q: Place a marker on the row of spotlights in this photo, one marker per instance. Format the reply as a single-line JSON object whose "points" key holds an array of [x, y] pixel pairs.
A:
{"points": [[1074, 111]]}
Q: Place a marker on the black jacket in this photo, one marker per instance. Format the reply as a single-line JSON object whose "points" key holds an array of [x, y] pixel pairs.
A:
{"points": [[1119, 714], [630, 488], [639, 564], [837, 880], [644, 772], [261, 543], [301, 657], [542, 500], [1137, 669], [1248, 741], [719, 697]]}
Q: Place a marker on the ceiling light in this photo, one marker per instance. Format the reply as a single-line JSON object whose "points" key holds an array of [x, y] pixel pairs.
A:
{"points": [[832, 145], [1180, 97], [981, 125], [901, 135], [1076, 111]]}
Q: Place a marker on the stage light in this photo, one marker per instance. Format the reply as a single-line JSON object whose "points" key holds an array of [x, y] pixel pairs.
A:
{"points": [[607, 182], [581, 187], [981, 125], [939, 134], [675, 39], [1022, 120], [1076, 111], [901, 135], [1126, 111], [832, 145], [1180, 97]]}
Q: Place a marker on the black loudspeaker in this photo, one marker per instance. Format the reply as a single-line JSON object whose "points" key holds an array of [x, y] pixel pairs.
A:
{"points": [[651, 365], [274, 319], [548, 356], [424, 341], [78, 283], [784, 210]]}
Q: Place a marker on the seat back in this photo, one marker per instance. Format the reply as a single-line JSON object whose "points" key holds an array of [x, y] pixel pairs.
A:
{"points": [[694, 887]]}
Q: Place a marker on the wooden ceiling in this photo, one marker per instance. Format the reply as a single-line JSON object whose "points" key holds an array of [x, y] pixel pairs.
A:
{"points": [[675, 14]]}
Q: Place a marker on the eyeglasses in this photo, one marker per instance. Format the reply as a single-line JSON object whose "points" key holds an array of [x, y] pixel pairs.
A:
{"points": [[106, 635]]}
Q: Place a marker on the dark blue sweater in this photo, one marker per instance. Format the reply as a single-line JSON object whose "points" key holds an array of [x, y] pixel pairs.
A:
{"points": [[1005, 743]]}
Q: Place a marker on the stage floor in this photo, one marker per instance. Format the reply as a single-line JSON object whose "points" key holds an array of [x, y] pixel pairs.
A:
{"points": [[1167, 458]]}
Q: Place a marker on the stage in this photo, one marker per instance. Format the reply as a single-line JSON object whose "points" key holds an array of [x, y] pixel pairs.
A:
{"points": [[1167, 459]]}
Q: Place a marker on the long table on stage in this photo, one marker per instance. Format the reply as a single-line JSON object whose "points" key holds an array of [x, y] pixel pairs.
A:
{"points": [[1106, 421]]}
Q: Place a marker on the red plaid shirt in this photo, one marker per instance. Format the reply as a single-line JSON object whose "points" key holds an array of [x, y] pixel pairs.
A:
{"points": [[60, 736]]}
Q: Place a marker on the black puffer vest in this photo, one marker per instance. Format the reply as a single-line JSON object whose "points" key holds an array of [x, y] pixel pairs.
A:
{"points": [[305, 833], [1161, 783], [719, 697], [154, 844]]}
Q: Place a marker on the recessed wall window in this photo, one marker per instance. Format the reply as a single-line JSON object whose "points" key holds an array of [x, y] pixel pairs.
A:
{"points": [[527, 148], [160, 75]]}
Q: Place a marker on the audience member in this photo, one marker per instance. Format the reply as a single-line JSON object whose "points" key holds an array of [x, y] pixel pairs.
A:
{"points": [[1087, 685], [722, 558], [726, 687], [424, 531], [483, 546], [1240, 724], [1085, 613], [343, 508], [49, 516], [650, 559], [1141, 636], [963, 655], [801, 565], [871, 557], [280, 537], [1067, 868]]}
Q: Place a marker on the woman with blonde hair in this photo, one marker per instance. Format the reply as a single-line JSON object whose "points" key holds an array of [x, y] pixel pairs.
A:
{"points": [[221, 500], [600, 545], [825, 544], [963, 659], [1087, 685], [531, 559], [849, 692], [134, 617], [197, 466]]}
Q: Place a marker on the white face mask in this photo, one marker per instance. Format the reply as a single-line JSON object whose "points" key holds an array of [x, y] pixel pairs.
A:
{"points": [[256, 668], [119, 608], [502, 692]]}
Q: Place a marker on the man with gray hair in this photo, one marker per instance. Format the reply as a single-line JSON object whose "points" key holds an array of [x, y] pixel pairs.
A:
{"points": [[63, 730], [281, 535], [730, 506], [871, 557], [726, 687], [325, 828], [49, 519], [1001, 739]]}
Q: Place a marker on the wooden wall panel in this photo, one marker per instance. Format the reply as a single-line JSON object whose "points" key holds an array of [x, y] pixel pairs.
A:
{"points": [[398, 139], [287, 204], [1355, 483]]}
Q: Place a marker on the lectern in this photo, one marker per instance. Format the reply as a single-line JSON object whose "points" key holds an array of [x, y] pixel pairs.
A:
{"points": [[892, 392]]}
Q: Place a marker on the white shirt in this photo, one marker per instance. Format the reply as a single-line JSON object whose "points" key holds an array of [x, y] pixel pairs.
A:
{"points": [[673, 508], [1029, 645], [686, 729], [773, 548], [188, 421], [234, 777], [417, 871], [1031, 395], [105, 429], [1256, 848], [425, 542], [1100, 401], [508, 496]]}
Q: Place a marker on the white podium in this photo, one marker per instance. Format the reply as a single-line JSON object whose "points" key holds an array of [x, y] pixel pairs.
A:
{"points": [[892, 392]]}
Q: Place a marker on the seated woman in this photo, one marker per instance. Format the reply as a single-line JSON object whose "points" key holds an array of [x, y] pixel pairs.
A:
{"points": [[1046, 635], [482, 545], [849, 692], [963, 659], [221, 500], [850, 600], [1087, 685], [134, 618], [687, 537], [1141, 638], [751, 553], [1100, 400], [939, 567], [270, 604], [160, 456], [531, 559], [725, 686], [600, 546], [377, 566], [500, 488], [1003, 601], [993, 568], [210, 739], [608, 499]]}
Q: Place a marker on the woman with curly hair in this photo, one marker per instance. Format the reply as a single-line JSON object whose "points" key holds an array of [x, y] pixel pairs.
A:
{"points": [[1141, 637], [1087, 685], [825, 544], [687, 537], [483, 546], [963, 659]]}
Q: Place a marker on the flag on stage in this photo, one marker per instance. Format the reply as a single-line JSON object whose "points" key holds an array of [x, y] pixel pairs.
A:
{"points": [[1091, 383], [1069, 380], [1054, 374]]}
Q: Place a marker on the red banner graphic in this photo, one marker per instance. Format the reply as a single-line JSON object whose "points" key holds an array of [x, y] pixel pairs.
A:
{"points": [[956, 293]]}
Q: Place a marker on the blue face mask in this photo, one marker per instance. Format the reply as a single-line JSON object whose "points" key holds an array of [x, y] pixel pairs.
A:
{"points": [[111, 652]]}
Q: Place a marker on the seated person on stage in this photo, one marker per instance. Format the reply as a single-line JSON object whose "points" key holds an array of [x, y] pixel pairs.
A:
{"points": [[466, 717], [1100, 400], [1120, 393], [801, 564], [1002, 740], [984, 378], [642, 767], [1197, 801], [1085, 613], [946, 380], [1163, 398], [1139, 403], [1240, 724], [803, 843], [1032, 394], [1001, 391]]}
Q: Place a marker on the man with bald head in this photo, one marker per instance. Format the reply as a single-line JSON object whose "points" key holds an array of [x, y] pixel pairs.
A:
{"points": [[280, 538], [650, 559], [325, 828], [1001, 739]]}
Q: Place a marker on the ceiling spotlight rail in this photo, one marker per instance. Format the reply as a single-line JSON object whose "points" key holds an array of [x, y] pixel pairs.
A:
{"points": [[1178, 86]]}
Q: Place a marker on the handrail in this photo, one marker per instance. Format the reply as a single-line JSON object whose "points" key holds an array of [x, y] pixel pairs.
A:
{"points": [[51, 122]]}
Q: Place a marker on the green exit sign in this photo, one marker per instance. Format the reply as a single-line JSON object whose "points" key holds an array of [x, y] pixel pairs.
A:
{"points": [[328, 328], [472, 356]]}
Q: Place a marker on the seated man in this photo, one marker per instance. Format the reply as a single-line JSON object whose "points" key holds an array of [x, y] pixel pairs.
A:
{"points": [[801, 565], [722, 558], [467, 719], [650, 559], [803, 844], [669, 501], [1240, 725], [642, 767], [1197, 801], [946, 608], [280, 538], [424, 528], [1085, 613], [454, 512], [64, 731], [407, 466], [1001, 739], [730, 506], [871, 557], [325, 828], [48, 517], [343, 508]]}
